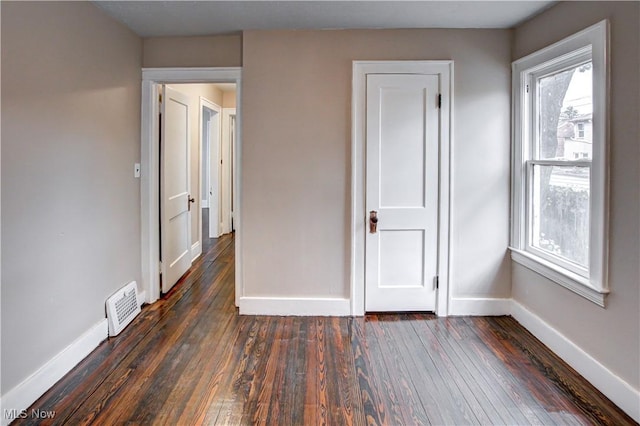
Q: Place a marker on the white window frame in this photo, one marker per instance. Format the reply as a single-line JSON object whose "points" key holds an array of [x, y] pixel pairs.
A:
{"points": [[588, 44]]}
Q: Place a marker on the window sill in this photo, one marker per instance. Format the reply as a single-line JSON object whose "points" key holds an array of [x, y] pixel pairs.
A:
{"points": [[561, 276]]}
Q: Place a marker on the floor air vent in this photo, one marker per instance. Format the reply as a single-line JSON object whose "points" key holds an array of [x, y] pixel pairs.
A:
{"points": [[122, 308]]}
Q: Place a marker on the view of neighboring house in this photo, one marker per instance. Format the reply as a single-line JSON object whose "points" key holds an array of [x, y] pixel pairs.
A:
{"points": [[575, 123], [574, 143], [575, 137]]}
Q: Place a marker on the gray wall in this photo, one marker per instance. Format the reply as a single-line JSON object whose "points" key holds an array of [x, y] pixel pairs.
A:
{"points": [[609, 335], [297, 155], [209, 51], [70, 203]]}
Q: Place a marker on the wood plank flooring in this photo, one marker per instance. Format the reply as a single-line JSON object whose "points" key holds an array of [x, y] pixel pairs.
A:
{"points": [[191, 359]]}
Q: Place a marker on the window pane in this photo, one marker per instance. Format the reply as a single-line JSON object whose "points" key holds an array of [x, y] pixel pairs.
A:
{"points": [[565, 114], [560, 212]]}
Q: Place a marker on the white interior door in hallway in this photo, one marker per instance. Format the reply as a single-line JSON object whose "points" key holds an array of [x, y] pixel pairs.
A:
{"points": [[402, 139], [210, 163], [175, 199], [227, 170]]}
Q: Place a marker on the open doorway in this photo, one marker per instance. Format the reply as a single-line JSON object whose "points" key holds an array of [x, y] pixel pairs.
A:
{"points": [[217, 136], [185, 79], [194, 165], [210, 135]]}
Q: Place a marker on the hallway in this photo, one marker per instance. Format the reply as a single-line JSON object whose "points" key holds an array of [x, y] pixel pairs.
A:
{"points": [[191, 359]]}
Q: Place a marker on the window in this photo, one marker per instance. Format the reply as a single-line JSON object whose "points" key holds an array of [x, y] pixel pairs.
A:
{"points": [[559, 199]]}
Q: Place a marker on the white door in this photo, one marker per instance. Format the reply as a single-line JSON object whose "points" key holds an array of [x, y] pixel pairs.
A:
{"points": [[402, 135], [226, 170], [214, 170], [176, 201]]}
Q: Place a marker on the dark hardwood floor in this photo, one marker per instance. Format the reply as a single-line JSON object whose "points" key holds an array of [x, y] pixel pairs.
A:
{"points": [[207, 242], [191, 359]]}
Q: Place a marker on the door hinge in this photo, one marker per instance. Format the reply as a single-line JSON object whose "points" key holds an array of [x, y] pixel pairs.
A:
{"points": [[436, 281], [160, 267], [160, 97], [439, 101], [527, 88]]}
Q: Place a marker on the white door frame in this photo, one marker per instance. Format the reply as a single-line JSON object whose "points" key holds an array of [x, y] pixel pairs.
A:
{"points": [[204, 135], [150, 167], [212, 165], [358, 177], [226, 148]]}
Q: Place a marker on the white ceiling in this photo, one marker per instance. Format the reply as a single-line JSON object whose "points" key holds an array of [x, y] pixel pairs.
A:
{"points": [[190, 18]]}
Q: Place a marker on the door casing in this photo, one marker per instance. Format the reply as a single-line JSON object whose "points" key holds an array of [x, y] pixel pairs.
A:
{"points": [[150, 157], [226, 154], [359, 218]]}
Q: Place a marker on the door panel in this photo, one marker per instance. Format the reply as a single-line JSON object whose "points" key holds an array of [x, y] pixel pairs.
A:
{"points": [[402, 136], [401, 258], [174, 187], [401, 119]]}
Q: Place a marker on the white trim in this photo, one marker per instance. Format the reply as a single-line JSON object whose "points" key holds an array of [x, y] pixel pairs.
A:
{"points": [[446, 189], [196, 249], [237, 191], [592, 34], [591, 41], [225, 145], [33, 387], [613, 387], [212, 164], [358, 213], [559, 275], [192, 75], [150, 244], [295, 306], [204, 204], [479, 306], [149, 193]]}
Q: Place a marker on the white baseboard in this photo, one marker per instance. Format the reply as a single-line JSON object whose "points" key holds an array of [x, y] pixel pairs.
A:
{"points": [[33, 387], [196, 250], [302, 306], [616, 389], [142, 297], [477, 306], [204, 204]]}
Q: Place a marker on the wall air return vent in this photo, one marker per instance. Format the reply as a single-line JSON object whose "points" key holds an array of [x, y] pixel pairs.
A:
{"points": [[122, 308]]}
